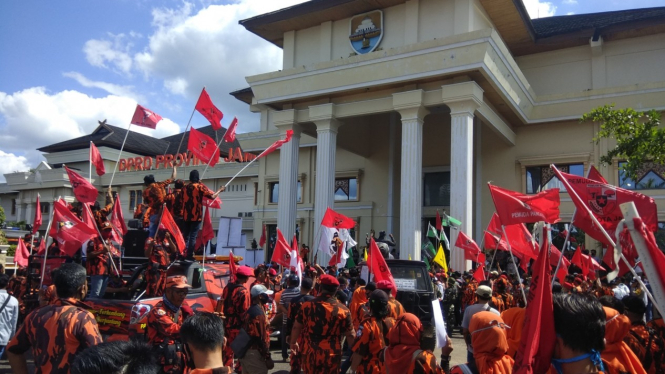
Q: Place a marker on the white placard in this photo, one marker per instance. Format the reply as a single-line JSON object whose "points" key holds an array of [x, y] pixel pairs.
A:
{"points": [[405, 284], [223, 232], [364, 273], [235, 232], [441, 335]]}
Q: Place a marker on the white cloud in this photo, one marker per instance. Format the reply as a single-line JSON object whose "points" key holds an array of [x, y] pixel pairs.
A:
{"points": [[113, 89], [113, 53], [539, 9], [570, 2], [10, 163], [33, 118]]}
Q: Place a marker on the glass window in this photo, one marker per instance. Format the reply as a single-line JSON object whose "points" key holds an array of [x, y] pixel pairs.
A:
{"points": [[650, 178], [13, 207], [540, 178], [132, 200], [274, 192], [436, 189], [346, 189], [44, 207]]}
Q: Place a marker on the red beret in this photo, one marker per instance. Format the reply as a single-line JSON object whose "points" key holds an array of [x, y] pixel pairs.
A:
{"points": [[329, 280], [272, 272], [384, 285], [245, 271]]}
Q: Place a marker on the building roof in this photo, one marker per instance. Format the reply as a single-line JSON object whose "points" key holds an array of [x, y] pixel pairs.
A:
{"points": [[522, 34], [245, 95], [106, 135]]}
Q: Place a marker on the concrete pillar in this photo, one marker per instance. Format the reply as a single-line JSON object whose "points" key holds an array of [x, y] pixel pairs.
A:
{"points": [[326, 146], [288, 174], [412, 111], [462, 108]]}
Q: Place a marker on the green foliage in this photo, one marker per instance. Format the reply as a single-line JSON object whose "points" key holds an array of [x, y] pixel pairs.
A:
{"points": [[3, 238], [2, 216], [638, 136], [11, 251], [19, 224]]}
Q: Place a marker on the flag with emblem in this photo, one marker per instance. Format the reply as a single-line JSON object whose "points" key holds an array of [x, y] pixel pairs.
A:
{"points": [[207, 232], [214, 204], [230, 134], [209, 110], [431, 231], [37, 222], [96, 159], [513, 207], [277, 144], [378, 266], [68, 229], [471, 250], [203, 147], [168, 223], [281, 254], [145, 117], [479, 274], [83, 190], [336, 220], [451, 221]]}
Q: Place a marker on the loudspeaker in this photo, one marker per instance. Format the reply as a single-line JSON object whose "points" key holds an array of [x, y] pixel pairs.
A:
{"points": [[134, 243]]}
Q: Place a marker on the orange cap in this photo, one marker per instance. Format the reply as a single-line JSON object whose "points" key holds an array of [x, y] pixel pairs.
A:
{"points": [[177, 281]]}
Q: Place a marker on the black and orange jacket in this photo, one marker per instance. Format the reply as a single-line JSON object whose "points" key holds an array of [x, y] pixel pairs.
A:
{"points": [[192, 198], [154, 195]]}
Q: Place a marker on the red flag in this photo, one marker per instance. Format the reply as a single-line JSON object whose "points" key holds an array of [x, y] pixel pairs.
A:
{"points": [[42, 247], [471, 249], [230, 134], [117, 217], [209, 110], [69, 230], [653, 256], [555, 254], [262, 240], [145, 117], [203, 147], [603, 201], [479, 274], [579, 261], [21, 255], [277, 144], [37, 222], [595, 175], [338, 221], [493, 241], [207, 233], [214, 204], [282, 252], [232, 267], [438, 225], [514, 207], [538, 335], [169, 225], [83, 190], [96, 159], [495, 225], [378, 266]]}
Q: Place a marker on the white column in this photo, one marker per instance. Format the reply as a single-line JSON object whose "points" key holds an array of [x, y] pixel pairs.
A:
{"points": [[326, 147], [412, 112], [288, 174], [461, 174]]}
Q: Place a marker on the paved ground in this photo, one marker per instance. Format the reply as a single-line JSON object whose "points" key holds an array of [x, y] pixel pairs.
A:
{"points": [[458, 356]]}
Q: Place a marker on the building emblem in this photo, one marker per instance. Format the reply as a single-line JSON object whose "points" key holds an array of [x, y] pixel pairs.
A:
{"points": [[366, 31]]}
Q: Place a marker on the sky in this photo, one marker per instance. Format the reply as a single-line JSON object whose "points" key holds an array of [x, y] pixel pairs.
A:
{"points": [[64, 65]]}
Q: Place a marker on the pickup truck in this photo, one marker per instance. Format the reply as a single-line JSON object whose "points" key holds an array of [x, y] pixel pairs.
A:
{"points": [[123, 319]]}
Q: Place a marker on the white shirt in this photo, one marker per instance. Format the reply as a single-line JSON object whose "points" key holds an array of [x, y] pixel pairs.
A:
{"points": [[473, 309], [8, 317], [621, 291]]}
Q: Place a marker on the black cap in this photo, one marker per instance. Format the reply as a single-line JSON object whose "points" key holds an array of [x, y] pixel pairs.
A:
{"points": [[634, 304], [179, 183], [371, 286], [194, 176], [293, 278], [378, 296], [149, 179], [307, 283]]}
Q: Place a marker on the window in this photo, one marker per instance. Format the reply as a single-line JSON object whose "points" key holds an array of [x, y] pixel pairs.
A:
{"points": [[256, 193], [436, 189], [273, 190], [13, 207], [539, 178], [346, 189], [651, 177], [44, 207], [135, 199]]}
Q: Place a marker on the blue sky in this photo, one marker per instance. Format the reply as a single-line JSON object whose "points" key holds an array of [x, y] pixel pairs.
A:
{"points": [[66, 64]]}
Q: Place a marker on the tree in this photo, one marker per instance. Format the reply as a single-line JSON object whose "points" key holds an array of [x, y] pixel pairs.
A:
{"points": [[638, 136], [3, 238]]}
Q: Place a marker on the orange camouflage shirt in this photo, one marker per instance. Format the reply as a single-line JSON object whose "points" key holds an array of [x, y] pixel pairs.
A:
{"points": [[638, 339], [236, 303], [101, 215], [154, 195], [256, 325], [425, 363], [370, 342], [99, 264], [395, 308], [222, 370], [56, 333], [324, 321], [174, 203], [192, 199]]}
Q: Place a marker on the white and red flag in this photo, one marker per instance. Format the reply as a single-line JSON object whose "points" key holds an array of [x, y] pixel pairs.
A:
{"points": [[145, 117], [69, 230]]}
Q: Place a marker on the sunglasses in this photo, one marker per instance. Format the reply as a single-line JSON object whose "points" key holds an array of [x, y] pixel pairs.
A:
{"points": [[181, 291]]}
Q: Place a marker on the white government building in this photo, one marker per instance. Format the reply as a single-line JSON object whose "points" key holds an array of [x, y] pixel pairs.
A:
{"points": [[402, 108]]}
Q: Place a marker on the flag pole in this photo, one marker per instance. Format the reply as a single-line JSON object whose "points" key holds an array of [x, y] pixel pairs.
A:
{"points": [[187, 127], [243, 169], [496, 248], [90, 163], [517, 270], [203, 263], [48, 228], [607, 237], [102, 240], [120, 153]]}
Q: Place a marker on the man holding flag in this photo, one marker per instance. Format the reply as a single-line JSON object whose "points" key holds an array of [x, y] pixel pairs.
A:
{"points": [[153, 197], [192, 213], [99, 259]]}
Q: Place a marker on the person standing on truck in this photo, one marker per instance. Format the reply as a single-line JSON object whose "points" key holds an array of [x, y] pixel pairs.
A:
{"points": [[395, 308], [203, 337], [99, 261], [158, 251], [153, 197], [101, 215], [56, 333], [323, 322], [294, 309], [257, 359], [164, 322], [371, 336], [174, 203], [192, 211], [236, 304]]}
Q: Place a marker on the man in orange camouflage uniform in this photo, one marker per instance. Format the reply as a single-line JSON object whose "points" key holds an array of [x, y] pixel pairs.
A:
{"points": [[503, 299], [323, 322], [395, 308], [153, 197], [469, 295], [192, 212], [371, 336], [257, 360], [362, 310], [164, 321], [236, 303], [56, 333], [99, 261], [100, 215], [645, 342], [158, 250], [174, 203], [294, 308]]}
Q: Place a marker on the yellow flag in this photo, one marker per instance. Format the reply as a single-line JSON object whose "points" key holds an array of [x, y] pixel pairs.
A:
{"points": [[409, 256], [440, 259], [365, 255]]}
